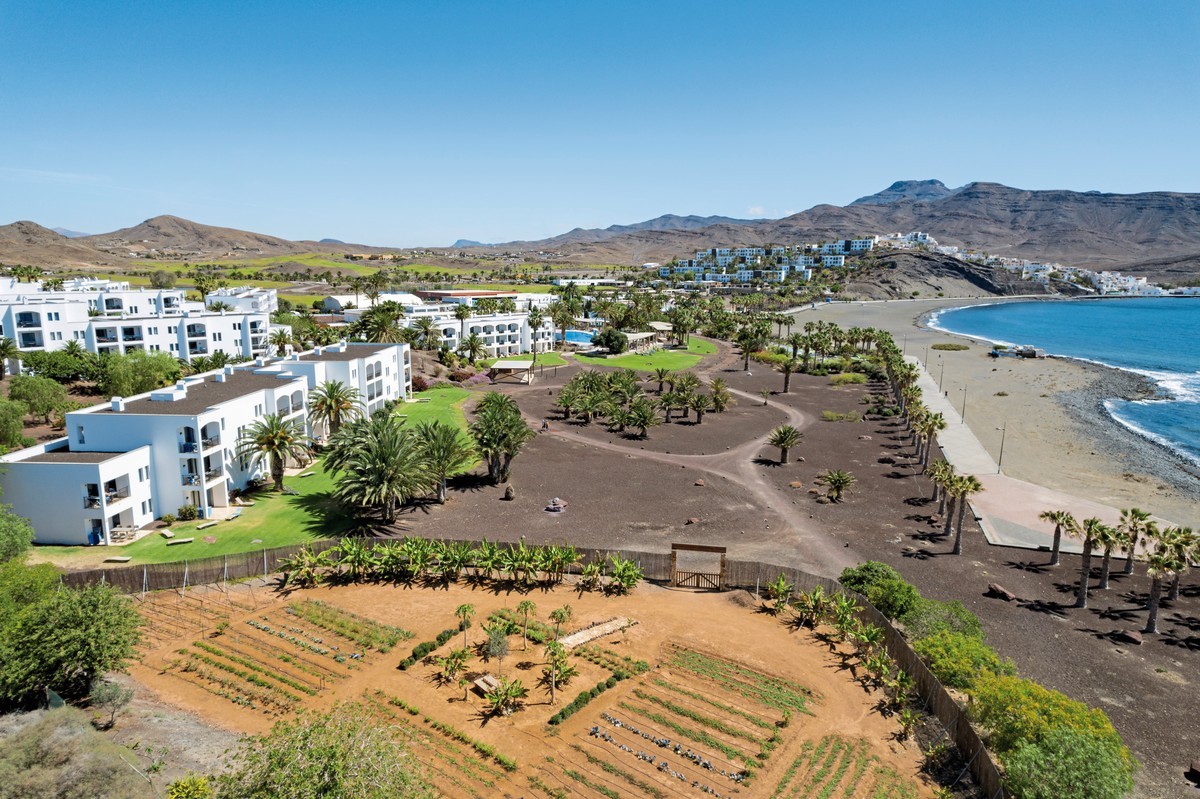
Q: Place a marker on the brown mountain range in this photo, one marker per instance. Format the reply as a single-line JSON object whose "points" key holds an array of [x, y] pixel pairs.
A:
{"points": [[1156, 234]]}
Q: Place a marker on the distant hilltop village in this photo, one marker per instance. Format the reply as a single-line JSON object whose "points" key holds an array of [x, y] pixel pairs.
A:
{"points": [[747, 266]]}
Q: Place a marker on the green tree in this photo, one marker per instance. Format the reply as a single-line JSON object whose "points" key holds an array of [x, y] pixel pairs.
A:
{"points": [[342, 753], [281, 339], [464, 614], [786, 438], [1089, 531], [9, 351], [16, 535], [561, 616], [612, 340], [473, 348], [275, 440], [381, 465], [111, 698], [12, 424], [446, 450], [66, 641], [332, 403], [837, 483], [525, 608], [41, 395], [962, 488], [162, 279], [190, 786], [1136, 525], [496, 645], [1062, 520], [500, 433], [136, 372]]}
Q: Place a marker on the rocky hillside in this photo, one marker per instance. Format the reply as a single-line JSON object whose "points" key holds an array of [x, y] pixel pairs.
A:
{"points": [[30, 243], [174, 236], [900, 274]]}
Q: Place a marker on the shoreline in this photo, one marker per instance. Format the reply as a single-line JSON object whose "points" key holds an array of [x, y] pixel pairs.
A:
{"points": [[1044, 419]]}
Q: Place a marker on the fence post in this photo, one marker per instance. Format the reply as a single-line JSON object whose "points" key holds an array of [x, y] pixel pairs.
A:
{"points": [[145, 580], [264, 561], [225, 574], [185, 576]]}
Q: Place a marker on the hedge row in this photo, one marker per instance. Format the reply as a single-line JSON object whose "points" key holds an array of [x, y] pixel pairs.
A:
{"points": [[421, 650], [581, 701]]}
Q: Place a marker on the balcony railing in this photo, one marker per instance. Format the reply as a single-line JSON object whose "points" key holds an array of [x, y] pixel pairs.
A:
{"points": [[187, 446], [106, 338], [190, 479], [128, 337], [196, 332], [213, 474], [209, 443], [91, 502], [112, 495], [28, 323]]}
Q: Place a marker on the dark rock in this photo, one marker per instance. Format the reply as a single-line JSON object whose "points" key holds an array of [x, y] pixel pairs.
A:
{"points": [[510, 493], [1128, 637], [1000, 592], [1194, 772]]}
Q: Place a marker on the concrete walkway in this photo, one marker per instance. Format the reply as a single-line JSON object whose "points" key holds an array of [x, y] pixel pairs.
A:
{"points": [[1007, 509]]}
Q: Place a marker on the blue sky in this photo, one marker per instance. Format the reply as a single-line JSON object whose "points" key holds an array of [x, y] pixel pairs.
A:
{"points": [[400, 123]]}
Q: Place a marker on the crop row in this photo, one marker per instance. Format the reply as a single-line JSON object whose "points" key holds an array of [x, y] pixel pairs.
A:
{"points": [[257, 667], [763, 688], [582, 779], [607, 659], [253, 696], [249, 676], [421, 650], [487, 750], [579, 702], [646, 788], [740, 777], [757, 721], [539, 631], [363, 631], [698, 736], [700, 718], [820, 772], [286, 636]]}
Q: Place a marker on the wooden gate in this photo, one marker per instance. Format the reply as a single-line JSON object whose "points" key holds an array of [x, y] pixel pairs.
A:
{"points": [[690, 578]]}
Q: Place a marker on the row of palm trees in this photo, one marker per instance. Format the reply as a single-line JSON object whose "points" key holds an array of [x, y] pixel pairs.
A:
{"points": [[1174, 549], [951, 491]]}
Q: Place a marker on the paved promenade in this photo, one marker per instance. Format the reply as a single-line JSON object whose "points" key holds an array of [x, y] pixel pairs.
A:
{"points": [[1007, 509]]}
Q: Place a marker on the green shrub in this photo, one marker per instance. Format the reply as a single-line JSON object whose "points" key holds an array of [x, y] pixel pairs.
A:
{"points": [[769, 357], [930, 616], [168, 519], [949, 347], [848, 379], [834, 416], [957, 659], [1017, 711], [883, 586], [1068, 762], [187, 513]]}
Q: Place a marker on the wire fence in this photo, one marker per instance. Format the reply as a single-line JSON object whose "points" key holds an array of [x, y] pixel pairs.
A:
{"points": [[656, 566]]}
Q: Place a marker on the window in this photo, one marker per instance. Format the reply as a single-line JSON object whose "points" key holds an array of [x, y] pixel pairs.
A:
{"points": [[171, 330], [216, 336], [79, 433], [174, 348], [237, 325]]}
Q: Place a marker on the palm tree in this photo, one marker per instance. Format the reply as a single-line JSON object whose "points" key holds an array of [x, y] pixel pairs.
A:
{"points": [[1089, 530], [1160, 565], [1184, 547], [464, 614], [281, 339], [1136, 524], [642, 416], [796, 341], [837, 482], [563, 316], [787, 367], [722, 398], [786, 438], [446, 450], [661, 374], [381, 464], [427, 332], [536, 321], [9, 351], [473, 348], [1062, 520], [332, 403], [555, 654], [506, 697], [381, 324], [963, 488], [500, 434], [1108, 538], [276, 440], [560, 616], [525, 608], [700, 403], [939, 471]]}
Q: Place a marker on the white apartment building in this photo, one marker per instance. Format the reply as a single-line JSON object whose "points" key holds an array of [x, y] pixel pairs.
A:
{"points": [[833, 261], [246, 299], [125, 463]]}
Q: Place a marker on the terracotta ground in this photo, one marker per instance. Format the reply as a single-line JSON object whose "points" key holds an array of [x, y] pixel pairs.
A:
{"points": [[705, 623]]}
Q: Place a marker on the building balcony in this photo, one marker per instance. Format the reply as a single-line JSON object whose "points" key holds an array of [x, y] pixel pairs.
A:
{"points": [[194, 331], [197, 349], [116, 495], [138, 337], [28, 323], [106, 338], [187, 446], [190, 479], [91, 502], [214, 473], [209, 443]]}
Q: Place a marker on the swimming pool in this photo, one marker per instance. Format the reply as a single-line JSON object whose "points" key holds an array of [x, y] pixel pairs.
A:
{"points": [[579, 336]]}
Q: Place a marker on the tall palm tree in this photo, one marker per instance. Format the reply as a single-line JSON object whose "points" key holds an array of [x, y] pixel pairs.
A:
{"points": [[462, 312], [464, 614], [500, 434], [963, 487], [332, 403], [9, 351], [1136, 525], [938, 471], [1062, 520], [786, 438], [525, 608], [536, 321], [563, 316], [1184, 546], [275, 440], [1160, 565], [281, 339], [447, 451], [787, 367], [1089, 530], [1108, 538], [427, 332], [473, 348]]}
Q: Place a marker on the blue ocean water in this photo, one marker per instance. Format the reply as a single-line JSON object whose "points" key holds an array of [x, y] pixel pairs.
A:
{"points": [[1155, 337]]}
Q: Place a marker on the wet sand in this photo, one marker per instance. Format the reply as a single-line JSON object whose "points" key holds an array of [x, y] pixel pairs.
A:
{"points": [[1048, 412]]}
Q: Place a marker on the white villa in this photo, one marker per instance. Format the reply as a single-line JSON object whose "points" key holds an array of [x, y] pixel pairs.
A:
{"points": [[125, 463]]}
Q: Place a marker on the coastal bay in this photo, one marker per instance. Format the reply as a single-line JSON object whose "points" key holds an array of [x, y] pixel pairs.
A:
{"points": [[1047, 414]]}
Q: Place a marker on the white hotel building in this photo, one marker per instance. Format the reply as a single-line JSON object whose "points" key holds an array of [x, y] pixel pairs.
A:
{"points": [[107, 317], [126, 463]]}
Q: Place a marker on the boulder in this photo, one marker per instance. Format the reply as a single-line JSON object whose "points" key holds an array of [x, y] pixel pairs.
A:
{"points": [[1000, 592], [864, 438], [796, 484], [510, 493], [1128, 637], [692, 520], [699, 482]]}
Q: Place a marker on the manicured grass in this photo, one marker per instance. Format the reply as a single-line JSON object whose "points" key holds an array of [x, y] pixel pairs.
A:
{"points": [[444, 405], [534, 288], [543, 359], [674, 360]]}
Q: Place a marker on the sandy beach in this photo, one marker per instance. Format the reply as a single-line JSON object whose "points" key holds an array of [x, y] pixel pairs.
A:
{"points": [[1048, 412]]}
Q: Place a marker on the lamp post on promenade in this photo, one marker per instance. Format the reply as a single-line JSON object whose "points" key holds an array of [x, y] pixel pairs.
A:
{"points": [[1003, 432], [964, 407]]}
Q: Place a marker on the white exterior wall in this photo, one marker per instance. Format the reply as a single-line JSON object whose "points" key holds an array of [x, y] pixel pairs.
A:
{"points": [[54, 496], [246, 299]]}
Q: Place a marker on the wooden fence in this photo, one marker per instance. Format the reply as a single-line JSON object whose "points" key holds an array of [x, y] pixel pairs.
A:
{"points": [[656, 566]]}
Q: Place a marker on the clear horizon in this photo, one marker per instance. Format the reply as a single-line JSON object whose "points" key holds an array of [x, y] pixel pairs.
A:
{"points": [[402, 124]]}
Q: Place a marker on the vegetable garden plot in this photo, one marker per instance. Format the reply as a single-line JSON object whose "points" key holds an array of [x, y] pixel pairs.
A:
{"points": [[839, 767]]}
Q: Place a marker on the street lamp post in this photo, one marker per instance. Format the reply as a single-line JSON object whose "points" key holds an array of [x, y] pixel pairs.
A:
{"points": [[942, 373], [1003, 433], [964, 408], [926, 361]]}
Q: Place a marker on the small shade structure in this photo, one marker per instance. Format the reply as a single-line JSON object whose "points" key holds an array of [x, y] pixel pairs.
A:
{"points": [[512, 372], [640, 342]]}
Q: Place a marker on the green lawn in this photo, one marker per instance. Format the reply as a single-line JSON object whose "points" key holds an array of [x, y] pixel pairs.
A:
{"points": [[444, 405], [674, 360], [520, 288], [543, 359]]}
